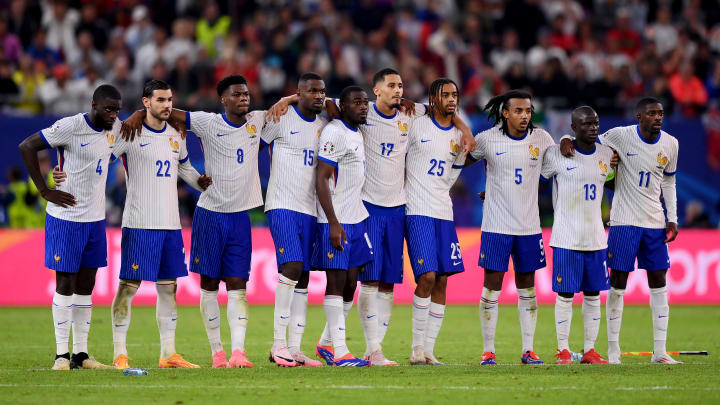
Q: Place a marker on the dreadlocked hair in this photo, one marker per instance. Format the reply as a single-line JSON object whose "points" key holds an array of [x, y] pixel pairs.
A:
{"points": [[498, 103], [434, 92]]}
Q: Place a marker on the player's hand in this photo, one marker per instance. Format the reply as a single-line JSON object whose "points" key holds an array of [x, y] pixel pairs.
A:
{"points": [[671, 227], [338, 237], [407, 106], [58, 197], [566, 147], [277, 110], [179, 126], [132, 126], [481, 195], [468, 142], [59, 176], [204, 181], [331, 109], [615, 160]]}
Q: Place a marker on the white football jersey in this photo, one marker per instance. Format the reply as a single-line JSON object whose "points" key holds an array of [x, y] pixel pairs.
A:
{"points": [[639, 176], [386, 140], [579, 183], [434, 160], [84, 154], [342, 147], [152, 162], [513, 176], [231, 159], [293, 146]]}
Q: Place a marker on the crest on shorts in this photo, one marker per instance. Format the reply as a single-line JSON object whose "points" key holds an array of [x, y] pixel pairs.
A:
{"points": [[421, 261], [175, 144], [558, 279], [609, 255], [331, 255], [135, 267], [197, 260], [534, 152], [281, 250], [56, 257]]}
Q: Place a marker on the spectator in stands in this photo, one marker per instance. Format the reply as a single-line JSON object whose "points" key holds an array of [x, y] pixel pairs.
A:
{"points": [[29, 77], [149, 54], [559, 37], [627, 39], [9, 90], [184, 82], [695, 215], [55, 94], [688, 90], [91, 22], [141, 31], [212, 29], [9, 42], [39, 51], [129, 88], [662, 32], [540, 53], [84, 54], [24, 20], [60, 22], [504, 57]]}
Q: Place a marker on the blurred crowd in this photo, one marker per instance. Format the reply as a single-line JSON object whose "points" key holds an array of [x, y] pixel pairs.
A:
{"points": [[605, 53], [602, 52]]}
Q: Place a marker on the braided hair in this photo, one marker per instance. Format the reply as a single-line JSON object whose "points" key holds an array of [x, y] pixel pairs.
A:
{"points": [[435, 90], [496, 104]]}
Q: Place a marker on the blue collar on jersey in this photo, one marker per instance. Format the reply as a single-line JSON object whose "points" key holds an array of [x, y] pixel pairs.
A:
{"points": [[440, 126], [90, 124], [518, 139], [347, 126], [157, 131], [581, 152], [387, 117], [637, 129], [230, 122], [297, 110]]}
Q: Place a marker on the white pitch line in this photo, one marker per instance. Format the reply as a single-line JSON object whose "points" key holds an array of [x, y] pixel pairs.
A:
{"points": [[361, 387]]}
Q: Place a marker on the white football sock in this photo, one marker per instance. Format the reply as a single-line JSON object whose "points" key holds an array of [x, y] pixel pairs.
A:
{"points": [[527, 312], [591, 319], [166, 316], [489, 317], [121, 305], [62, 319], [420, 309], [563, 319], [384, 305], [81, 315], [298, 316], [613, 313], [660, 313], [333, 306], [238, 315], [436, 314], [367, 309], [325, 338], [210, 312], [281, 316]]}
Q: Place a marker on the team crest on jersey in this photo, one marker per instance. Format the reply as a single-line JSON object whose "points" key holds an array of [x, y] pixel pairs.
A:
{"points": [[175, 144], [110, 138], [251, 128], [662, 160], [603, 168], [403, 126], [534, 152], [454, 148], [329, 147]]}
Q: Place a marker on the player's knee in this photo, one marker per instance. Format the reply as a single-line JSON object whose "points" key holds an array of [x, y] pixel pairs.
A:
{"points": [[566, 295], [426, 282], [591, 293], [292, 270], [386, 287], [304, 280], [235, 283], [618, 279], [335, 282], [209, 283], [656, 279], [65, 283], [525, 280], [371, 283], [85, 281], [493, 280]]}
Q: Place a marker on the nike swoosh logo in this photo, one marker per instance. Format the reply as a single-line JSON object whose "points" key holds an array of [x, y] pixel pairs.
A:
{"points": [[341, 328], [612, 319], [300, 325], [425, 140], [60, 323], [385, 324], [212, 319], [240, 318], [84, 144], [370, 125], [221, 134], [487, 307], [596, 319], [117, 326], [142, 145], [571, 168], [500, 153], [631, 154], [662, 316], [88, 323], [562, 322], [370, 316], [173, 319], [294, 132], [356, 148], [456, 263], [284, 317]]}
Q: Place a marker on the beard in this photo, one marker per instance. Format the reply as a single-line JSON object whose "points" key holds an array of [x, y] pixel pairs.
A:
{"points": [[159, 116]]}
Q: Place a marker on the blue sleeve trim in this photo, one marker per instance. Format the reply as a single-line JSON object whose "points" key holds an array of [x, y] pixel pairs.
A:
{"points": [[263, 143], [42, 136], [187, 120], [543, 179], [670, 173], [112, 157], [328, 161], [458, 166], [185, 159]]}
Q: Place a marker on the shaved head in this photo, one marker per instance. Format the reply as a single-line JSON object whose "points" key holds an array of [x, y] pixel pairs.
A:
{"points": [[580, 113]]}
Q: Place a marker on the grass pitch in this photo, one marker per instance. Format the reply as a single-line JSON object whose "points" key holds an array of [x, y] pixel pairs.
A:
{"points": [[27, 337]]}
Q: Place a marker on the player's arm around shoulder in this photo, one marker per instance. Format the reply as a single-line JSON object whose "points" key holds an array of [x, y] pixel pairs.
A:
{"points": [[549, 162]]}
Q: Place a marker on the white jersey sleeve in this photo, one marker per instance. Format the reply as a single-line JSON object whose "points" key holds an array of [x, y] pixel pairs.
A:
{"points": [[640, 175], [293, 147], [342, 147], [513, 176], [434, 162], [83, 154], [231, 159], [579, 183]]}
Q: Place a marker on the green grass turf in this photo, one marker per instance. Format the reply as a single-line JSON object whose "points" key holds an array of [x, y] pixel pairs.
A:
{"points": [[27, 337]]}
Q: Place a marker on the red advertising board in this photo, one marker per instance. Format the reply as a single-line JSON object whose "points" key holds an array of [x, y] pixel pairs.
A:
{"points": [[694, 277]]}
